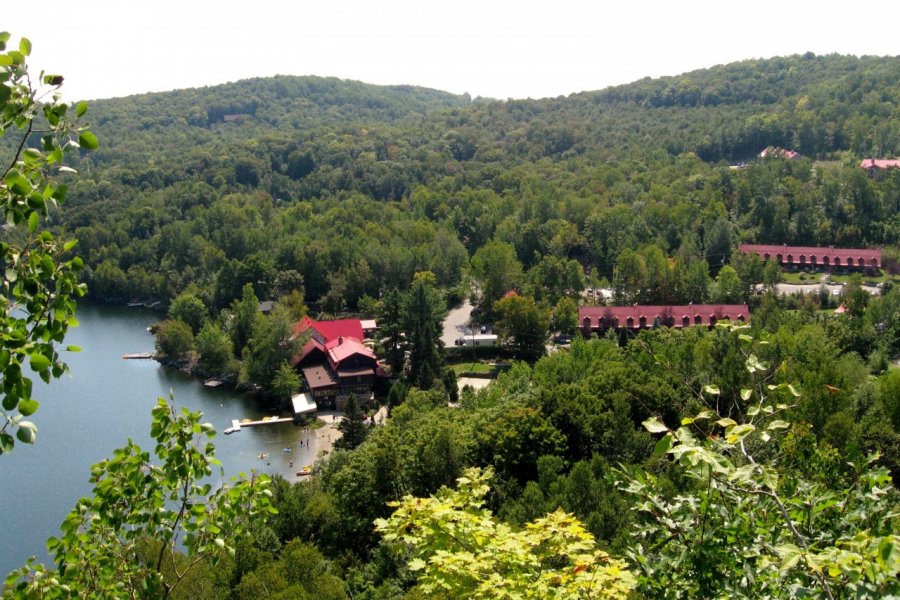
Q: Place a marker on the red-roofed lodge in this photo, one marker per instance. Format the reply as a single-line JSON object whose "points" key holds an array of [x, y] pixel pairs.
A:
{"points": [[335, 363], [808, 256], [599, 319]]}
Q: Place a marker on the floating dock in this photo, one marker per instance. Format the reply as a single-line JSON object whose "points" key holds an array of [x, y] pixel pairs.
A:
{"points": [[237, 425], [138, 356]]}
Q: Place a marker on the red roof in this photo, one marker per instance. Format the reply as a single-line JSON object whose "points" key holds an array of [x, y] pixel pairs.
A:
{"points": [[677, 316], [342, 348], [813, 255], [348, 328], [879, 163], [330, 330]]}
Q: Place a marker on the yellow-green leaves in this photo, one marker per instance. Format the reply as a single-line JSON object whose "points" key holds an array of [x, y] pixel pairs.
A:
{"points": [[462, 551]]}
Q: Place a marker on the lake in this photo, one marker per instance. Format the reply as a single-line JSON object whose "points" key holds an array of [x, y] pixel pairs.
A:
{"points": [[105, 401]]}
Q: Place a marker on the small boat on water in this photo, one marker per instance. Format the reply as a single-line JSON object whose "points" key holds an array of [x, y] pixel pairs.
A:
{"points": [[229, 430], [263, 455], [287, 449], [307, 470]]}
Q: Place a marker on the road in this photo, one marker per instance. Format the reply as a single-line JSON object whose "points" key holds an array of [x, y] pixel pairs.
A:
{"points": [[457, 323], [785, 289]]}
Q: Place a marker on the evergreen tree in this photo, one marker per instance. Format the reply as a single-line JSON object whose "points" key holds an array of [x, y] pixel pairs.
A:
{"points": [[424, 313], [352, 427]]}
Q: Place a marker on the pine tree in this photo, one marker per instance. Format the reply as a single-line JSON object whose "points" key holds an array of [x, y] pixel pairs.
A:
{"points": [[352, 426]]}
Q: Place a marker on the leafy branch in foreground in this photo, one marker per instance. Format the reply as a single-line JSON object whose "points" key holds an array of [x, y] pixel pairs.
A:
{"points": [[750, 527], [39, 283], [464, 552], [139, 504]]}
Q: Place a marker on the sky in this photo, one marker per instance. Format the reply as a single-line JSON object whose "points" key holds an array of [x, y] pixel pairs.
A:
{"points": [[495, 49]]}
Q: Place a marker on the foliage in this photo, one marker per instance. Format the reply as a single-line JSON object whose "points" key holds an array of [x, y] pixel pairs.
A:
{"points": [[286, 383], [214, 347], [522, 324], [174, 339], [167, 501], [463, 552], [786, 535], [189, 308], [40, 278], [270, 347], [352, 427], [424, 310]]}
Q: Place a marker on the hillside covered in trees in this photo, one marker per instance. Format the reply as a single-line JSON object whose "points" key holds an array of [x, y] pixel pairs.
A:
{"points": [[357, 187], [730, 461]]}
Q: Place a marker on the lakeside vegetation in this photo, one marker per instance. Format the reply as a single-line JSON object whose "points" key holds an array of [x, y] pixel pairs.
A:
{"points": [[733, 461]]}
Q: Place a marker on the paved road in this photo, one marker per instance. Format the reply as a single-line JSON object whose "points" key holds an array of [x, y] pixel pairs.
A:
{"points": [[786, 289], [457, 323]]}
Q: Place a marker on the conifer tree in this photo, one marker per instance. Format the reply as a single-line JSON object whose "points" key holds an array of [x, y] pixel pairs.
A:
{"points": [[352, 427]]}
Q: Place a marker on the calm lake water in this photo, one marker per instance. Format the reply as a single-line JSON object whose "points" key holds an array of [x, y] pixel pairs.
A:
{"points": [[105, 401]]}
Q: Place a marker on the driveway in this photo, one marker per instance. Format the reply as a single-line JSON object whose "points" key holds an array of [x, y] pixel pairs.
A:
{"points": [[456, 324]]}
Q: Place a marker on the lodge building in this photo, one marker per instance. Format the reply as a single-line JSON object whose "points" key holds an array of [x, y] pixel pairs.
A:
{"points": [[808, 256]]}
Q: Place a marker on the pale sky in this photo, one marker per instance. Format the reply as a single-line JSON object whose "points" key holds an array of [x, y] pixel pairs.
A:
{"points": [[497, 49]]}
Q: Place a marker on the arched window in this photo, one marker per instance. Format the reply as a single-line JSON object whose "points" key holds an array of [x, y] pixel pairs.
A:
{"points": [[698, 319], [802, 259], [685, 321], [812, 259], [849, 261], [629, 323], [779, 259], [712, 320], [837, 261], [826, 260], [643, 322]]}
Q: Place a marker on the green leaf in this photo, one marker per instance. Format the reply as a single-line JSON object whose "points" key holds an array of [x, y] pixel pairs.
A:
{"points": [[25, 46], [34, 220], [38, 362], [88, 140], [778, 424], [26, 432], [28, 406], [746, 393], [653, 425], [663, 445], [81, 108], [726, 422], [712, 389]]}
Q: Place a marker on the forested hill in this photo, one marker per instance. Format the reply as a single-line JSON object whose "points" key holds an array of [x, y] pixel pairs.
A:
{"points": [[206, 177]]}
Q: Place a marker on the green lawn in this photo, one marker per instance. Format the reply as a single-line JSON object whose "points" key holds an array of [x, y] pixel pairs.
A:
{"points": [[473, 367], [882, 278], [801, 278]]}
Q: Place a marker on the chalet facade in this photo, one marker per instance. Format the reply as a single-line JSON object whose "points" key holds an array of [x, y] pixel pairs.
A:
{"points": [[808, 256], [335, 363], [600, 319], [779, 152]]}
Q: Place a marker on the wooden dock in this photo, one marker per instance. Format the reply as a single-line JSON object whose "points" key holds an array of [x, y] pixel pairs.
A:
{"points": [[138, 356], [237, 425]]}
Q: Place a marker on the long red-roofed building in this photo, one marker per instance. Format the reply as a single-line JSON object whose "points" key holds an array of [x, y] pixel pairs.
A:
{"points": [[334, 361], [809, 256], [880, 163], [598, 319]]}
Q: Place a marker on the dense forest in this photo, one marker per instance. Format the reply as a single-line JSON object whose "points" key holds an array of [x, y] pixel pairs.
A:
{"points": [[735, 461]]}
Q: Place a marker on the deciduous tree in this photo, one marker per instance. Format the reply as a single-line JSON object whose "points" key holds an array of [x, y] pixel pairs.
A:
{"points": [[40, 277]]}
